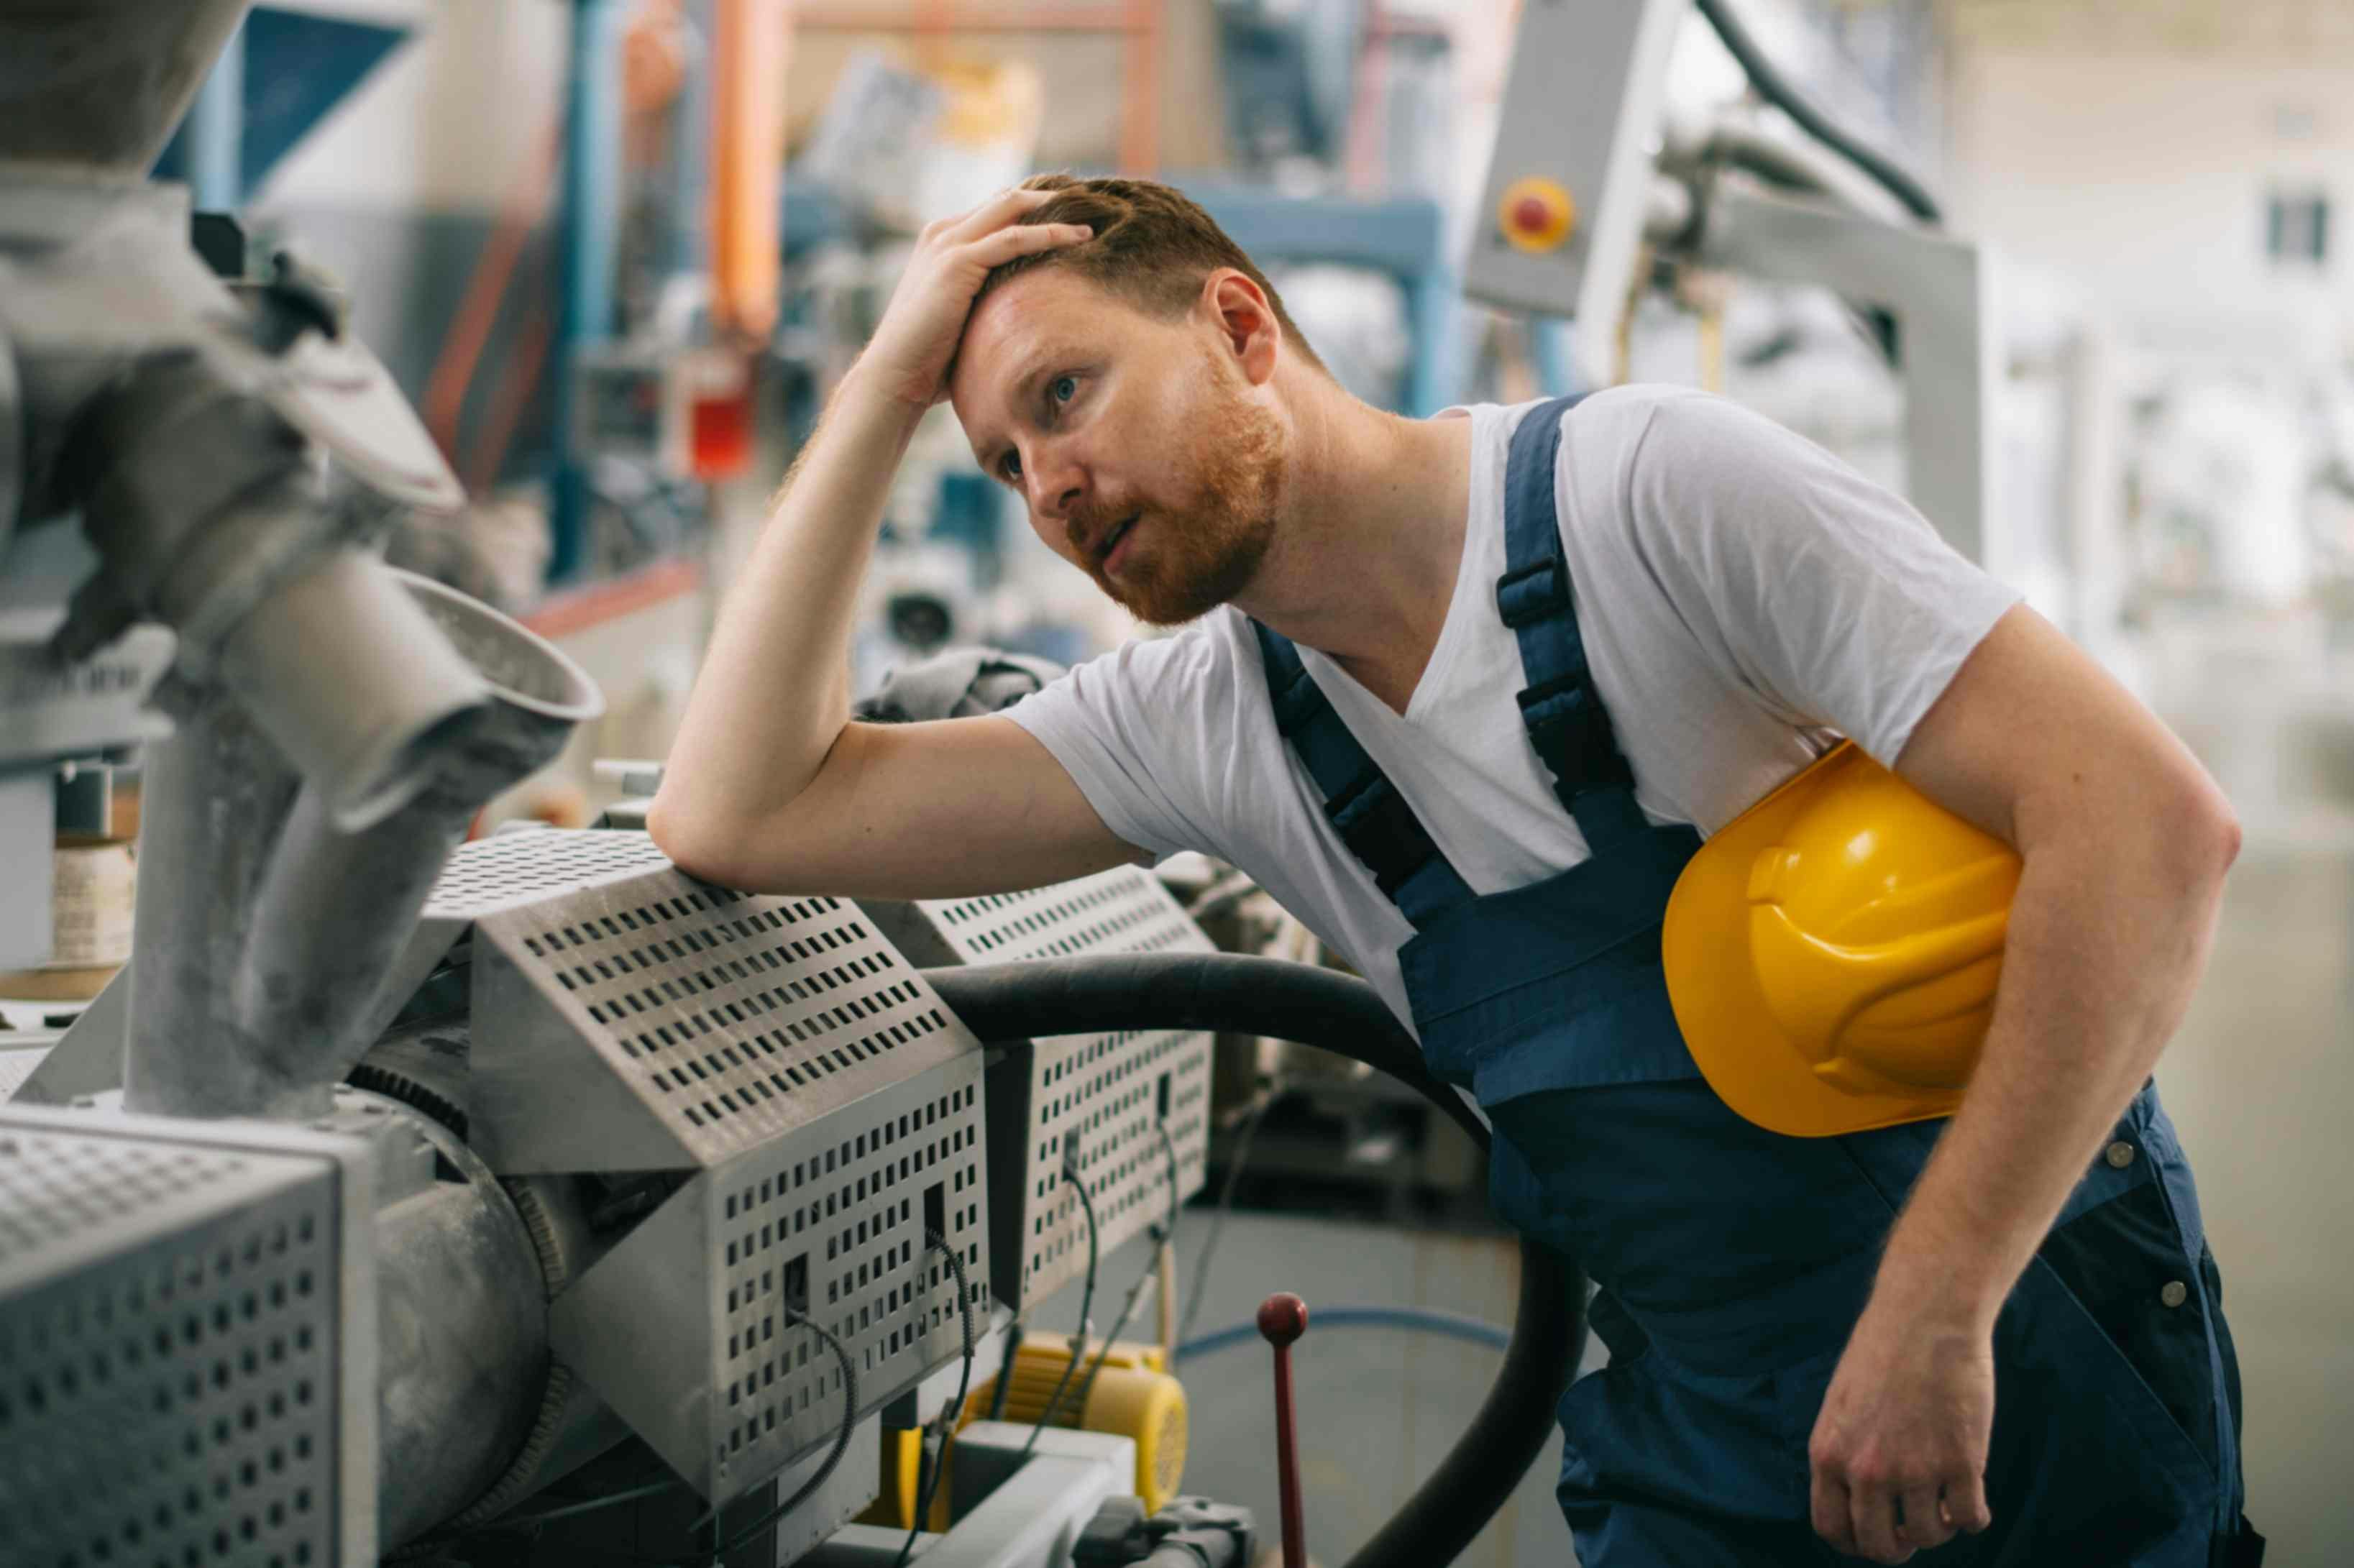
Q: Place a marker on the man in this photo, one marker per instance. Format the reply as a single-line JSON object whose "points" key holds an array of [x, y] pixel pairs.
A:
{"points": [[1799, 1369]]}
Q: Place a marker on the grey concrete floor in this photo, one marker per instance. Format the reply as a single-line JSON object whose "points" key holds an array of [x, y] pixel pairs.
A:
{"points": [[1377, 1407], [2260, 1078], [2259, 1082]]}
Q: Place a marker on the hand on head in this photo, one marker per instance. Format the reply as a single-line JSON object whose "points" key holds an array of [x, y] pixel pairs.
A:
{"points": [[910, 352]]}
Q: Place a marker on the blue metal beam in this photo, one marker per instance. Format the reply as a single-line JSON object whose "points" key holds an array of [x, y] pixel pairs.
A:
{"points": [[216, 131], [586, 243], [282, 72]]}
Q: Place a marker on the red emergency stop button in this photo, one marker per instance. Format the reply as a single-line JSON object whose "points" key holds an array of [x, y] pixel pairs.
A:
{"points": [[1536, 214]]}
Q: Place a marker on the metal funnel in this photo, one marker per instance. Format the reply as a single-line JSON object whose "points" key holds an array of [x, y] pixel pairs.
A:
{"points": [[100, 84], [266, 929]]}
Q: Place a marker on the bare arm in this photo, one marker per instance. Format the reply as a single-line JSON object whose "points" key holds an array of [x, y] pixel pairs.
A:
{"points": [[769, 786], [2124, 841]]}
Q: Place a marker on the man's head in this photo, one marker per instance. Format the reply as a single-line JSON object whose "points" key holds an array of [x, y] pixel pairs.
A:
{"points": [[1126, 387]]}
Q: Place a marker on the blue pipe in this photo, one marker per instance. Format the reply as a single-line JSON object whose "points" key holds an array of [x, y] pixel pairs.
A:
{"points": [[1549, 357], [690, 219], [1452, 1325], [216, 131], [587, 243]]}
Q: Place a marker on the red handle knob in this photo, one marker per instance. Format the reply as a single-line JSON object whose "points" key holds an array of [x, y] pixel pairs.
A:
{"points": [[1282, 1319]]}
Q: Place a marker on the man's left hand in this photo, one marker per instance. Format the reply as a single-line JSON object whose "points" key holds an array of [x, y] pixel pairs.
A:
{"points": [[1899, 1452]]}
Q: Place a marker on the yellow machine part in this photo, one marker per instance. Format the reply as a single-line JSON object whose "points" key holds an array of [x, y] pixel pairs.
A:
{"points": [[1133, 1397], [894, 1507]]}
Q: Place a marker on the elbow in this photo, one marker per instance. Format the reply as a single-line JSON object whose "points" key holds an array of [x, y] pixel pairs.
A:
{"points": [[694, 844], [2203, 833], [2223, 832]]}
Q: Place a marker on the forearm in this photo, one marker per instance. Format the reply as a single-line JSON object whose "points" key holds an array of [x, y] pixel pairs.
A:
{"points": [[2107, 935], [774, 691], [2109, 932]]}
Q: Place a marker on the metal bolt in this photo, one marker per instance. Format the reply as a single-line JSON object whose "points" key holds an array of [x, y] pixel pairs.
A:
{"points": [[2175, 1293], [2120, 1155]]}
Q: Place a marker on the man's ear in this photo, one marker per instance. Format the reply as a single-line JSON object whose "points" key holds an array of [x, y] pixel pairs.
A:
{"points": [[1245, 321]]}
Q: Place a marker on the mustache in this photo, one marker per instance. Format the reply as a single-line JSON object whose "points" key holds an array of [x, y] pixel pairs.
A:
{"points": [[1085, 525]]}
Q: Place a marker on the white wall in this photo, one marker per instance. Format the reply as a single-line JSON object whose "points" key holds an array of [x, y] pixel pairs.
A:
{"points": [[450, 120], [2141, 179]]}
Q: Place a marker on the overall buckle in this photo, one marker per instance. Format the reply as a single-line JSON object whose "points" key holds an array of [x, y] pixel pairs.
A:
{"points": [[1382, 830], [1572, 732], [1533, 593]]}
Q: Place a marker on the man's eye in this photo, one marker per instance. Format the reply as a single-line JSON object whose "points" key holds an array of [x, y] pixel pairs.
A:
{"points": [[1065, 387]]}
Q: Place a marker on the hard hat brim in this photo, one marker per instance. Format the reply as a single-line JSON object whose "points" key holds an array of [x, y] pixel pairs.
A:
{"points": [[1756, 1066]]}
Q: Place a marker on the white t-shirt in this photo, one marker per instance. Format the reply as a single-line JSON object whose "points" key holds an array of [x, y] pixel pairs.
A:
{"points": [[1744, 598]]}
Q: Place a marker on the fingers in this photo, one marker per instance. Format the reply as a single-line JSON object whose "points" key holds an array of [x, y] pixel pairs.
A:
{"points": [[1005, 208], [1024, 240], [1924, 1521], [1966, 1503], [1871, 1515], [1830, 1505]]}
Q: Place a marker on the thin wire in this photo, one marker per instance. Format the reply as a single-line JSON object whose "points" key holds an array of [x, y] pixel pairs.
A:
{"points": [[1086, 1297], [1005, 1371], [1169, 1147], [1225, 1206], [1136, 1291], [841, 1442], [612, 1499], [925, 1492]]}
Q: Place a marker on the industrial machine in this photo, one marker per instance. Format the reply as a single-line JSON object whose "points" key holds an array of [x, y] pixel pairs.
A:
{"points": [[1593, 184]]}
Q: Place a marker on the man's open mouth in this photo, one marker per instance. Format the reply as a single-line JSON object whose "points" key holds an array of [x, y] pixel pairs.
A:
{"points": [[1111, 540]]}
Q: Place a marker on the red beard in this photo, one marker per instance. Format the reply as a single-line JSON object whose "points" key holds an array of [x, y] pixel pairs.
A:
{"points": [[1188, 558]]}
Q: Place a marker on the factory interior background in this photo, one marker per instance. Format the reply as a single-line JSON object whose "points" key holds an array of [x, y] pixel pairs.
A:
{"points": [[618, 253]]}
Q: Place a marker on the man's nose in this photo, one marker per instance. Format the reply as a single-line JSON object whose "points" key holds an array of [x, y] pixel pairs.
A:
{"points": [[1058, 482]]}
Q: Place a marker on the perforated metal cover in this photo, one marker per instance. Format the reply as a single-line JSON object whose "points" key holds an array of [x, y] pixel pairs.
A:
{"points": [[652, 1022], [1114, 1093], [688, 1328], [508, 869], [183, 1378], [15, 1067]]}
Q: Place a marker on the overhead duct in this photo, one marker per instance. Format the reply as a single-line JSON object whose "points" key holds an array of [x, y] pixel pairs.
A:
{"points": [[98, 85]]}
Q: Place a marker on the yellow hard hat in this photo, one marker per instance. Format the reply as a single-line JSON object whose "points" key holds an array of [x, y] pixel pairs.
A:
{"points": [[1831, 953]]}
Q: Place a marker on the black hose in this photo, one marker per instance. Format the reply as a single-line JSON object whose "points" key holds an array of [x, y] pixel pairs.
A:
{"points": [[1775, 89], [1336, 1012]]}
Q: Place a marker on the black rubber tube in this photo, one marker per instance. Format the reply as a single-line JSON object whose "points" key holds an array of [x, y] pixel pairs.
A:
{"points": [[1340, 1013], [1775, 89]]}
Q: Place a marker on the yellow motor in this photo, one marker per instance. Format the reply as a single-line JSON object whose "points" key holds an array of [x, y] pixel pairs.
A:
{"points": [[1133, 1397]]}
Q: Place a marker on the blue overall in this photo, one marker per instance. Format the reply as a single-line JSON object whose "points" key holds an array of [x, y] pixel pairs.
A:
{"points": [[1732, 1262]]}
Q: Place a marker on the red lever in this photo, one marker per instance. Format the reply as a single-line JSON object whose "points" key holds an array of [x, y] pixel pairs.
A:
{"points": [[1283, 1318]]}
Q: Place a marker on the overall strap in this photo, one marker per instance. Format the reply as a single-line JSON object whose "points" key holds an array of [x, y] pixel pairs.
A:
{"points": [[1564, 713], [1363, 807]]}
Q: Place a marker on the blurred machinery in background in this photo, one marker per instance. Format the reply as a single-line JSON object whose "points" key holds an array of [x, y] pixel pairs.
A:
{"points": [[1594, 190]]}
